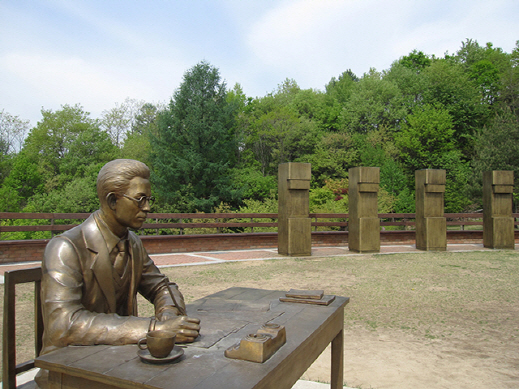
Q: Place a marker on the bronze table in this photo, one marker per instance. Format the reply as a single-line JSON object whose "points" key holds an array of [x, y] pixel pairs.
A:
{"points": [[226, 318]]}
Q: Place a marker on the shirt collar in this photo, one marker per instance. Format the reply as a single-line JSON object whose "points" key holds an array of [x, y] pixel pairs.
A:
{"points": [[110, 238]]}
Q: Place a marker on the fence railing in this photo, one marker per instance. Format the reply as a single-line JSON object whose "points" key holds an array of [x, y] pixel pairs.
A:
{"points": [[178, 223]]}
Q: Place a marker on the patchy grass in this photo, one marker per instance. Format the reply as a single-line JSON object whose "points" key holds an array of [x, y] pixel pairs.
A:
{"points": [[434, 295]]}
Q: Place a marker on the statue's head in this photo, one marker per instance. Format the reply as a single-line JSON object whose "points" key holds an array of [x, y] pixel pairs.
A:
{"points": [[115, 177]]}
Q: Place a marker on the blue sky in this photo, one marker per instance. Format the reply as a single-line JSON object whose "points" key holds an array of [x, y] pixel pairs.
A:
{"points": [[99, 52]]}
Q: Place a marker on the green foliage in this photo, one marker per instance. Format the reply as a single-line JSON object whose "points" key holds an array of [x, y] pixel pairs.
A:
{"points": [[458, 176], [22, 235], [253, 184], [497, 148], [76, 196], [374, 102], [24, 181], [137, 146], [416, 61], [334, 154], [331, 198], [427, 134], [194, 148], [448, 85], [486, 76], [64, 143], [268, 205]]}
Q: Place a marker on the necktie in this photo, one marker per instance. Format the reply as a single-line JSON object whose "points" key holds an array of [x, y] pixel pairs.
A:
{"points": [[121, 257]]}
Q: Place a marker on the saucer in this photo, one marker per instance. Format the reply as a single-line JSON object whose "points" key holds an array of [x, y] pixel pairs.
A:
{"points": [[147, 357]]}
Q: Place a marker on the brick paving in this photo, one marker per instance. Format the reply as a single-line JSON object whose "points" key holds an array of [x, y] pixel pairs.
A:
{"points": [[208, 257]]}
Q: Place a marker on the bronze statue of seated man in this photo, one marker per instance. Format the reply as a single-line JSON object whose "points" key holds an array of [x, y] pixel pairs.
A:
{"points": [[92, 273]]}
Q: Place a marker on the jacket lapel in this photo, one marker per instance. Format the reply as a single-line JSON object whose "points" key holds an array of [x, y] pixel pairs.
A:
{"points": [[100, 266]]}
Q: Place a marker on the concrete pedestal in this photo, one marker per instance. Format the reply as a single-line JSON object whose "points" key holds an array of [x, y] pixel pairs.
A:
{"points": [[498, 222], [364, 224], [294, 223], [431, 225]]}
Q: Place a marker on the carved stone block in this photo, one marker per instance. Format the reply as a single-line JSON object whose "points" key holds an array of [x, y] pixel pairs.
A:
{"points": [[431, 225], [364, 224], [498, 222], [294, 224]]}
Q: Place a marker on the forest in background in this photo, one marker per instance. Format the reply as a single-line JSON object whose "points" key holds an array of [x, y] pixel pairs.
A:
{"points": [[213, 149]]}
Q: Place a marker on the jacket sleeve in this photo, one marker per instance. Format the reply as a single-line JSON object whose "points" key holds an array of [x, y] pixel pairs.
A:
{"points": [[66, 320], [157, 288]]}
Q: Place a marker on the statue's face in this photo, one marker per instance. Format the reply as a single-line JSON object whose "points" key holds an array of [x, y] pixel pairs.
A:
{"points": [[127, 211]]}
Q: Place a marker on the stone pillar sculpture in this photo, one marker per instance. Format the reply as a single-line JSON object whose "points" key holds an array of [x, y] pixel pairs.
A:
{"points": [[498, 222], [364, 224], [294, 223], [431, 226]]}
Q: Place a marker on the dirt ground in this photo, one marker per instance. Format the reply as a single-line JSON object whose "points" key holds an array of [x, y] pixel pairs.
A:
{"points": [[426, 320], [393, 359]]}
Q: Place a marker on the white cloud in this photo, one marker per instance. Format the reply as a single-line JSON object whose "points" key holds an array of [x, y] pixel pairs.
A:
{"points": [[311, 41], [55, 80]]}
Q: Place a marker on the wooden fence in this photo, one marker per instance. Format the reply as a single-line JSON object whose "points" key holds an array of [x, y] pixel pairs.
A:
{"points": [[226, 222]]}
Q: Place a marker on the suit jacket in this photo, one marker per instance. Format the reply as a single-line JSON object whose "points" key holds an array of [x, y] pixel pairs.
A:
{"points": [[78, 292]]}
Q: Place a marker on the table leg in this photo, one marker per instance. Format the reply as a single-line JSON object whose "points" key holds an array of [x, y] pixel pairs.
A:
{"points": [[337, 361]]}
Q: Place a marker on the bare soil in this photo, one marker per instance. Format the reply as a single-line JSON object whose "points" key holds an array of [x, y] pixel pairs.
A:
{"points": [[420, 320]]}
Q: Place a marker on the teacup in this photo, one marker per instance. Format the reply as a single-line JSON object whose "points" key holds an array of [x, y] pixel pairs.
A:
{"points": [[159, 343]]}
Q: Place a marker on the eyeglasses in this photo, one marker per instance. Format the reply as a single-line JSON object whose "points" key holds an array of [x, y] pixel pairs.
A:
{"points": [[141, 202]]}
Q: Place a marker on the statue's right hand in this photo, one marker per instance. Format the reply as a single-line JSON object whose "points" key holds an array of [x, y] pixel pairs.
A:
{"points": [[187, 328]]}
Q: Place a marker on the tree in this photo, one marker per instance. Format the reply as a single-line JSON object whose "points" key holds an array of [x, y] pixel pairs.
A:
{"points": [[426, 142], [449, 84], [119, 121], [509, 93], [195, 148], [497, 146], [334, 154], [280, 136], [416, 61], [425, 137], [137, 141], [12, 133], [373, 102], [64, 143], [24, 180]]}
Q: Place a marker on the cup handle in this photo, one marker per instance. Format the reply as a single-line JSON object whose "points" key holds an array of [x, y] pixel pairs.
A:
{"points": [[141, 346]]}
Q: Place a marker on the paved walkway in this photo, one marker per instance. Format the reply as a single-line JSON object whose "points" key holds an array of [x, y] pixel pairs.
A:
{"points": [[210, 257]]}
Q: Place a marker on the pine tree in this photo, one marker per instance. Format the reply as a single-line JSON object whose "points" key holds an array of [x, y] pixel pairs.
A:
{"points": [[194, 147]]}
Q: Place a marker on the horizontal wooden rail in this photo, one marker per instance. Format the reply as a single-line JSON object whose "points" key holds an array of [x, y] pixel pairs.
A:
{"points": [[59, 221], [52, 216], [54, 227], [206, 225]]}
